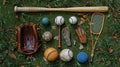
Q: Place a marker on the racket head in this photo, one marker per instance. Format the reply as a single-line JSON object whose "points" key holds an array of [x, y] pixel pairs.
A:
{"points": [[97, 22]]}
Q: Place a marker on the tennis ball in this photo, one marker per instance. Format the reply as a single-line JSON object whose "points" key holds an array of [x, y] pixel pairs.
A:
{"points": [[45, 21], [82, 57], [66, 55], [59, 20], [73, 20], [51, 54], [47, 36]]}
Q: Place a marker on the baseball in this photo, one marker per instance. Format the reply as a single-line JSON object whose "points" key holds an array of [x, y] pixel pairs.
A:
{"points": [[66, 55], [73, 20], [47, 36], [51, 54], [59, 20]]}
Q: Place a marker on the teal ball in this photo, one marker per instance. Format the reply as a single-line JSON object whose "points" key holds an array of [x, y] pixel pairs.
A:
{"points": [[82, 57], [45, 21]]}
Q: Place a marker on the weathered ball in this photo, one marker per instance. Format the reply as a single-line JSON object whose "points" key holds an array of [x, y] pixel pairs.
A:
{"points": [[51, 54], [45, 21], [59, 20], [82, 57], [47, 36], [66, 55], [73, 20]]}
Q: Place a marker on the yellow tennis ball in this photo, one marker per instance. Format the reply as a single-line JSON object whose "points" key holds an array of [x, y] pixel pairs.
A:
{"points": [[51, 54]]}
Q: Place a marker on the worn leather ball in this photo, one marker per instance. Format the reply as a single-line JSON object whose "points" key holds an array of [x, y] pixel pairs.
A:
{"points": [[51, 54], [47, 36]]}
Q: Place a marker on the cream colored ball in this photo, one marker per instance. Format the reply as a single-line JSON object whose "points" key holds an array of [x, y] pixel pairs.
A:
{"points": [[73, 20], [59, 20], [66, 55], [47, 36]]}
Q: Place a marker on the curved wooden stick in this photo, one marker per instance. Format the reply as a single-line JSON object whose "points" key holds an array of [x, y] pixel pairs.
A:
{"points": [[59, 39]]}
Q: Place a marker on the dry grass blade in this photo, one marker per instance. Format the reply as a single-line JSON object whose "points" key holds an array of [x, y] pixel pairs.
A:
{"points": [[13, 56]]}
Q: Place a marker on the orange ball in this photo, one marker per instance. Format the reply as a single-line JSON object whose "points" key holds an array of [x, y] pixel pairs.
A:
{"points": [[51, 54]]}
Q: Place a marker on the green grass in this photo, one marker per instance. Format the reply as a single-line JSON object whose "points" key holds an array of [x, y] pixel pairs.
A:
{"points": [[8, 24]]}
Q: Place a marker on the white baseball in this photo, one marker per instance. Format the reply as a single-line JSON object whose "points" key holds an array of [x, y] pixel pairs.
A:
{"points": [[73, 20], [59, 20], [66, 55]]}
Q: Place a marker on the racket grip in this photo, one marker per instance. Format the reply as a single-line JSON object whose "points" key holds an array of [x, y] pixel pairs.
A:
{"points": [[92, 55], [91, 59]]}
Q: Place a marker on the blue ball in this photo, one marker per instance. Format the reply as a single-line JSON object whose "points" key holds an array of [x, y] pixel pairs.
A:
{"points": [[45, 21], [82, 57]]}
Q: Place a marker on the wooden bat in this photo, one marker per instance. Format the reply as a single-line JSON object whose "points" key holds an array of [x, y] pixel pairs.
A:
{"points": [[70, 9], [59, 39]]}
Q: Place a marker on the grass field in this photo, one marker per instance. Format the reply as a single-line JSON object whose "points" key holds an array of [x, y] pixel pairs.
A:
{"points": [[107, 40]]}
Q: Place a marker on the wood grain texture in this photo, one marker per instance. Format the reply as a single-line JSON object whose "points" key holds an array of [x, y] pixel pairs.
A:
{"points": [[70, 9]]}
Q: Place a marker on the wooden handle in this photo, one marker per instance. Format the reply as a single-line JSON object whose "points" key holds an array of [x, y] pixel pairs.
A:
{"points": [[92, 55], [59, 39], [91, 59], [71, 9]]}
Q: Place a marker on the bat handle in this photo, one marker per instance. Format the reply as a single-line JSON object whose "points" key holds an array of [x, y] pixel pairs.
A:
{"points": [[59, 39]]}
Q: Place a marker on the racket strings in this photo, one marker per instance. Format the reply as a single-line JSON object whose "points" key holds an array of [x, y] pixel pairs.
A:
{"points": [[97, 23]]}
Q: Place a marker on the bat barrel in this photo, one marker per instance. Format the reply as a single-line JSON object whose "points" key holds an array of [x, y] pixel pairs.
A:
{"points": [[70, 9]]}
